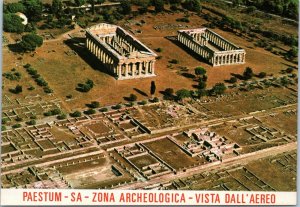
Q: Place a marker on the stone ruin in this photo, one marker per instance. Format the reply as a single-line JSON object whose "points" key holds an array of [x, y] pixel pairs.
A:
{"points": [[212, 47], [123, 55]]}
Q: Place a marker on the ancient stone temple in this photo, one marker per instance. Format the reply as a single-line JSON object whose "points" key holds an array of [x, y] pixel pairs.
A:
{"points": [[212, 47], [123, 55]]}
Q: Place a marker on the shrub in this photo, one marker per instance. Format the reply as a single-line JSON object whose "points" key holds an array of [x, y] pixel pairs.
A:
{"points": [[19, 119], [232, 80], [75, 114], [55, 111], [94, 104], [262, 75], [118, 106], [62, 116], [90, 111], [3, 128], [248, 73], [183, 93], [158, 49], [47, 89], [132, 97], [289, 70], [218, 89], [16, 126], [143, 102], [18, 89], [48, 113], [31, 88], [27, 66], [184, 19], [31, 122], [155, 99], [174, 61], [103, 110]]}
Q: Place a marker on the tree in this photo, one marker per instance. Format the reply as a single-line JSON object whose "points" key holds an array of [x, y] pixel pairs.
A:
{"points": [[202, 92], [90, 83], [92, 2], [12, 23], [94, 104], [75, 114], [159, 5], [293, 52], [201, 84], [56, 7], [13, 8], [132, 97], [90, 111], [62, 116], [125, 7], [152, 88], [289, 70], [31, 122], [174, 2], [33, 9], [183, 93], [218, 89], [18, 89], [169, 91], [232, 80], [262, 75], [200, 71], [192, 5], [248, 73], [30, 42], [79, 2]]}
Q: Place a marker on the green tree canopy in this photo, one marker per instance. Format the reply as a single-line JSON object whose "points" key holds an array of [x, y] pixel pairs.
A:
{"points": [[79, 2], [125, 7], [248, 73], [159, 5], [12, 23], [13, 8], [152, 88], [33, 9], [192, 5], [30, 42], [183, 93], [218, 89], [56, 7], [200, 71]]}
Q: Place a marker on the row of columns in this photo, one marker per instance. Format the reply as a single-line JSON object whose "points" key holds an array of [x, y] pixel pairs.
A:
{"points": [[198, 37], [227, 59], [215, 59], [122, 47], [194, 46], [215, 39], [137, 69], [99, 52]]}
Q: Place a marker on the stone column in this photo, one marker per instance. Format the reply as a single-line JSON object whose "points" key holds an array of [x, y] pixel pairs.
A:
{"points": [[126, 70], [146, 68], [133, 69], [153, 67]]}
